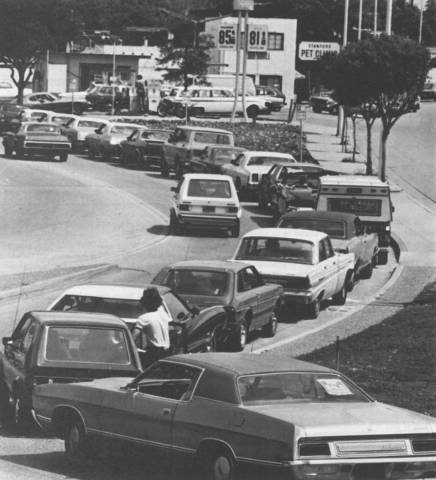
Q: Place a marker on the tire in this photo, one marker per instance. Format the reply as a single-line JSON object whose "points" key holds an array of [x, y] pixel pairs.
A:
{"points": [[240, 337], [366, 272], [234, 232], [8, 151], [341, 297], [220, 466], [174, 224], [313, 309], [180, 111], [164, 168], [252, 111], [91, 152], [63, 157], [75, 441], [270, 329], [382, 256]]}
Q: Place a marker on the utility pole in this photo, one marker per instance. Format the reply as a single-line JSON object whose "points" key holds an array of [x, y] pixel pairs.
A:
{"points": [[238, 61], [113, 78], [244, 65], [359, 28], [375, 17], [389, 17], [421, 13], [340, 124]]}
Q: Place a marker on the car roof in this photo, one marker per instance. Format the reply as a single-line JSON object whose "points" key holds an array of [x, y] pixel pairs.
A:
{"points": [[251, 153], [204, 129], [247, 363], [54, 317], [207, 176], [339, 216], [126, 124], [49, 124], [212, 265], [94, 119], [124, 292], [355, 180], [291, 233]]}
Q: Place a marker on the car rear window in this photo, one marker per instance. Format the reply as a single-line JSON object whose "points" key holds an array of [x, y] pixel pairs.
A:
{"points": [[359, 206], [209, 188], [86, 345], [43, 129], [276, 250], [335, 229], [212, 138], [88, 124], [197, 282], [298, 387], [263, 160]]}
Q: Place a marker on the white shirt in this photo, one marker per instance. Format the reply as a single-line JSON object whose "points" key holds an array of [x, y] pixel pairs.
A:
{"points": [[155, 327]]}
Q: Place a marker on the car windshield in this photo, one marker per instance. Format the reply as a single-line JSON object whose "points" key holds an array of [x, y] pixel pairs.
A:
{"points": [[123, 129], [209, 188], [261, 160], [224, 155], [212, 138], [86, 345], [297, 387], [336, 229], [177, 308], [276, 250], [41, 128], [197, 282], [122, 308], [88, 124]]}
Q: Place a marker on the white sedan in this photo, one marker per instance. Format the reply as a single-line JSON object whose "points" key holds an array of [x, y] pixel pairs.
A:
{"points": [[247, 169]]}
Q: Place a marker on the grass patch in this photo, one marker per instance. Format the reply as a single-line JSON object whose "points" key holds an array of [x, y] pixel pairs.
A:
{"points": [[393, 361]]}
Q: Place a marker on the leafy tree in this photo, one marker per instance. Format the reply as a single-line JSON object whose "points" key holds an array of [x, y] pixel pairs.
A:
{"points": [[382, 75], [28, 29], [429, 23]]}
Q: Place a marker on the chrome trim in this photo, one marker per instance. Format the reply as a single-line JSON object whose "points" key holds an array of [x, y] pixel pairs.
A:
{"points": [[357, 461]]}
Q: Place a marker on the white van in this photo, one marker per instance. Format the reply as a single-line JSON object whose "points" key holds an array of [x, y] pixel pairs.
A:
{"points": [[366, 196]]}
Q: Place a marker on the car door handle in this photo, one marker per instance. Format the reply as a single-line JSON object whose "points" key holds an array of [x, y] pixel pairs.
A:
{"points": [[166, 411]]}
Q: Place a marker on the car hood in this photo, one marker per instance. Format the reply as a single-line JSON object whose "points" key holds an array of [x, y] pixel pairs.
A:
{"points": [[46, 137], [337, 419], [280, 268], [203, 301]]}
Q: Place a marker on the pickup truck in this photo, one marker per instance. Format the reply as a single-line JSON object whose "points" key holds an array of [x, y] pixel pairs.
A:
{"points": [[302, 261], [185, 143], [50, 347]]}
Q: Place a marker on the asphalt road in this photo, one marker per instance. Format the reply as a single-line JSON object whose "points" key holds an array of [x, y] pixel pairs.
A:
{"points": [[83, 213]]}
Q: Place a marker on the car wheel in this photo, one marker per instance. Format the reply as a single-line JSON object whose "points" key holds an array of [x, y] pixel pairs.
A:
{"points": [[252, 111], [164, 169], [270, 329], [314, 308], [75, 441], [179, 169], [63, 157], [174, 224], [8, 151], [366, 272], [382, 256], [341, 297], [235, 230], [107, 155], [240, 337], [221, 466]]}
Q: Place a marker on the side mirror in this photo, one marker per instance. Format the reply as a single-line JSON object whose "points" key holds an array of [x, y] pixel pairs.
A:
{"points": [[174, 189], [6, 341]]}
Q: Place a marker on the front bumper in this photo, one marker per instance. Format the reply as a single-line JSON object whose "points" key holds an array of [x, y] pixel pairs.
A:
{"points": [[300, 297]]}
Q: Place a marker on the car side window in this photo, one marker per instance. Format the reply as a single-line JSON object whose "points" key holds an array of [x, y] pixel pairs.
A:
{"points": [[20, 333], [237, 161], [28, 338], [169, 380], [247, 280], [322, 252], [328, 248]]}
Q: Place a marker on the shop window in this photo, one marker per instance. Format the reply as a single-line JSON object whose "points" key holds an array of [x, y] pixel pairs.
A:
{"points": [[275, 41]]}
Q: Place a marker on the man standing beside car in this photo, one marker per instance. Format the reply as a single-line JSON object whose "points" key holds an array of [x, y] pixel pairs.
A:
{"points": [[140, 93], [155, 325]]}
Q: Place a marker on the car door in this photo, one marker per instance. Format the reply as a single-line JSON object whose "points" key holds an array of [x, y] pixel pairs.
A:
{"points": [[266, 297], [130, 144], [247, 283], [16, 350], [330, 267]]}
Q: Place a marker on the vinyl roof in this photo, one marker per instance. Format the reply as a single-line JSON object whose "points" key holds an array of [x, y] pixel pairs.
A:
{"points": [[290, 233], [210, 265], [49, 317], [124, 292]]}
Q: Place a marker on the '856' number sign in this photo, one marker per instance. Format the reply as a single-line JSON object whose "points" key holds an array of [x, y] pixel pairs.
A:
{"points": [[227, 37]]}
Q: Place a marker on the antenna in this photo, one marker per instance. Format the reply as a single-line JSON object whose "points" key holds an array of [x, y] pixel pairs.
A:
{"points": [[19, 297]]}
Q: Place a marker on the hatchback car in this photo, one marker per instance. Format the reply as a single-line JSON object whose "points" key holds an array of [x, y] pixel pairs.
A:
{"points": [[205, 201]]}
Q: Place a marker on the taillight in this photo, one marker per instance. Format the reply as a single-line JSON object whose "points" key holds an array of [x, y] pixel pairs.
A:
{"points": [[232, 209], [314, 449], [184, 208], [255, 177]]}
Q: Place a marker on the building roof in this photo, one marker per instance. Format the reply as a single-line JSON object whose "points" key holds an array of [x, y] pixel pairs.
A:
{"points": [[212, 265], [124, 292], [54, 317], [248, 363], [355, 180], [287, 233]]}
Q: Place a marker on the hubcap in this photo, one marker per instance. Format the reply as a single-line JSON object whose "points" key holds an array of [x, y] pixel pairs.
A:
{"points": [[222, 469]]}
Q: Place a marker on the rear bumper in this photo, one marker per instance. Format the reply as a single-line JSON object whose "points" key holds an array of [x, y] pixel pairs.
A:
{"points": [[208, 221], [303, 297]]}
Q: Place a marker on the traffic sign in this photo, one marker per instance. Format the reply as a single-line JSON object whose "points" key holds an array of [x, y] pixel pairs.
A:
{"points": [[300, 113], [243, 5], [315, 50], [257, 38], [226, 37], [73, 85]]}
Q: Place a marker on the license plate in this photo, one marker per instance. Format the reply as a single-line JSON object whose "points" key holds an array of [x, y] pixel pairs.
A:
{"points": [[208, 209]]}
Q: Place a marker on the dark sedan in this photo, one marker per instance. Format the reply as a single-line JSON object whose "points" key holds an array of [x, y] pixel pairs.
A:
{"points": [[254, 304], [224, 410], [50, 347], [143, 148], [212, 158], [37, 138]]}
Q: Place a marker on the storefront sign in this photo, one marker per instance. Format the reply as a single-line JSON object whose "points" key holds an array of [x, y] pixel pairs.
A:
{"points": [[315, 50]]}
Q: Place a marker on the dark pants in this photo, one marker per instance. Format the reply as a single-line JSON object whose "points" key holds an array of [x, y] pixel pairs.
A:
{"points": [[153, 354]]}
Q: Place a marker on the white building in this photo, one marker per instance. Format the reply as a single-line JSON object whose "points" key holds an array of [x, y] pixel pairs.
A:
{"points": [[275, 66]]}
